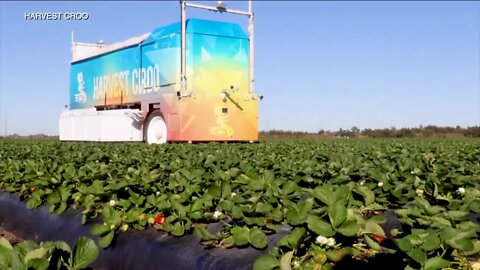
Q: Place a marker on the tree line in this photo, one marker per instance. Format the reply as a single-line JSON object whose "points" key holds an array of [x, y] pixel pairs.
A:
{"points": [[429, 131]]}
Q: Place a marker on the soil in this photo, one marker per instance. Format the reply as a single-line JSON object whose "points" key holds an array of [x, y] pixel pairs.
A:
{"points": [[13, 239]]}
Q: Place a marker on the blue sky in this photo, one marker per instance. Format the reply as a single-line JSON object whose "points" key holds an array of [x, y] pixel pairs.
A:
{"points": [[319, 65]]}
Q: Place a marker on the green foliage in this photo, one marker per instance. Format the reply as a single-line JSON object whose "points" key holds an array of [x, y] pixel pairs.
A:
{"points": [[337, 189], [47, 255]]}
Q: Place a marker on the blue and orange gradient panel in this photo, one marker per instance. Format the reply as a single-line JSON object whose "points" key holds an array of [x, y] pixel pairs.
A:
{"points": [[221, 108]]}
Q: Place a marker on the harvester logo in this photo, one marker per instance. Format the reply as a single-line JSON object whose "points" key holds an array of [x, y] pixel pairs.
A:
{"points": [[222, 128], [82, 96]]}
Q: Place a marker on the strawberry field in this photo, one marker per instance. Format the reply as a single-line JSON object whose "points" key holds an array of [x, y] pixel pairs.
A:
{"points": [[417, 201]]}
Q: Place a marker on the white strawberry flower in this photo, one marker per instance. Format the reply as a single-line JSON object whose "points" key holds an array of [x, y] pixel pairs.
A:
{"points": [[331, 242], [461, 190], [362, 182], [158, 193], [380, 184], [233, 194], [113, 202], [322, 239], [217, 214]]}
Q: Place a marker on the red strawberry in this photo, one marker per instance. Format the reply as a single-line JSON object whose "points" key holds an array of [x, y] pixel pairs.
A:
{"points": [[378, 238], [159, 219]]}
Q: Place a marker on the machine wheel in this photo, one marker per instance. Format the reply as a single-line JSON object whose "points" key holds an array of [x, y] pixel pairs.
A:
{"points": [[155, 129]]}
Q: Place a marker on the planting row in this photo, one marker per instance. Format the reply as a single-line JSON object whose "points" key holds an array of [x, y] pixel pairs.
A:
{"points": [[414, 200]]}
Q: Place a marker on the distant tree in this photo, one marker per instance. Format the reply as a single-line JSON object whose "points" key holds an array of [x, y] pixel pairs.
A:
{"points": [[473, 132], [355, 131]]}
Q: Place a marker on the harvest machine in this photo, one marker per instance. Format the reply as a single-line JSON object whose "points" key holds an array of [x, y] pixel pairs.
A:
{"points": [[188, 81]]}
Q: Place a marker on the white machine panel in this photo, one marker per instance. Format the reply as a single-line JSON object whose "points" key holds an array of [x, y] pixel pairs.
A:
{"points": [[101, 126]]}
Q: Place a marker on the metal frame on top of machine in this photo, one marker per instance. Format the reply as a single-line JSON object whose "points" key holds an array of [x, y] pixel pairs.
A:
{"points": [[220, 7]]}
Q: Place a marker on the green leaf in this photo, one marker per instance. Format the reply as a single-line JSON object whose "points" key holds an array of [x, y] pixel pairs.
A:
{"points": [[305, 207], [108, 213], [432, 242], [371, 243], [435, 209], [342, 194], [5, 257], [53, 198], [61, 245], [367, 194], [379, 219], [266, 262], [64, 193], [277, 215], [25, 246], [111, 215], [5, 243], [337, 212], [462, 244], [34, 201], [99, 229], [38, 264], [373, 228], [418, 255], [226, 189], [240, 235], [319, 226], [215, 191], [290, 187], [178, 229], [293, 239], [209, 161], [35, 254], [337, 255], [348, 228], [228, 242], [84, 252], [323, 194], [404, 244], [257, 238], [457, 215], [436, 263], [286, 261], [476, 249], [422, 203], [61, 208], [292, 216], [106, 239], [167, 226], [203, 233], [264, 208], [197, 205]]}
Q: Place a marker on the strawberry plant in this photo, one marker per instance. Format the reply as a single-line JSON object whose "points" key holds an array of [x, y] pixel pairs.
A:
{"points": [[337, 198], [47, 255]]}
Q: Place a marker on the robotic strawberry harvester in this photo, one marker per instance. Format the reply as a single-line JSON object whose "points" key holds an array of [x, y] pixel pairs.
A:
{"points": [[188, 81]]}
